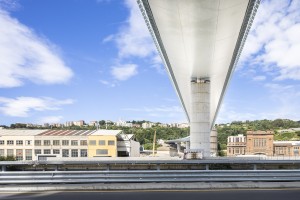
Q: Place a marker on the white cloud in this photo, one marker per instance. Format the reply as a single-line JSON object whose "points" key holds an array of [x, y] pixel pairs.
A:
{"points": [[22, 106], [104, 82], [134, 41], [124, 72], [108, 38], [50, 119], [259, 78], [284, 98], [274, 42], [9, 5], [26, 56]]}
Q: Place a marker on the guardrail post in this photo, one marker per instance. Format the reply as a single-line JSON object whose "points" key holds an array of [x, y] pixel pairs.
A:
{"points": [[254, 167], [158, 167], [56, 167], [207, 167], [3, 168], [107, 167]]}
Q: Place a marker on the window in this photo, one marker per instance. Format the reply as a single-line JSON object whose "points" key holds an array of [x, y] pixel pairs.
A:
{"points": [[65, 142], [74, 142], [111, 142], [1, 142], [56, 142], [37, 151], [47, 151], [19, 142], [2, 152], [10, 142], [92, 142], [37, 142], [101, 151], [74, 153], [10, 152], [28, 154], [47, 143], [101, 142], [83, 152], [56, 151], [65, 152], [28, 142], [19, 154], [83, 142]]}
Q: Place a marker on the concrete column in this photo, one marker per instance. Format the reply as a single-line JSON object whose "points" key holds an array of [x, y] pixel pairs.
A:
{"points": [[200, 117], [178, 147], [187, 145]]}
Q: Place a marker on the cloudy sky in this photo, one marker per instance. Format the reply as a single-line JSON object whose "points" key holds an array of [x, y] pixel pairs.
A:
{"points": [[94, 59]]}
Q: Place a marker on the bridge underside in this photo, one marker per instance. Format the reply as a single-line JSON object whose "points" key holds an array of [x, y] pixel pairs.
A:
{"points": [[200, 42]]}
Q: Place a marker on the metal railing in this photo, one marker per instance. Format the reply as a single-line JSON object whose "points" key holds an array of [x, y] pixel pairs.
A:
{"points": [[37, 177]]}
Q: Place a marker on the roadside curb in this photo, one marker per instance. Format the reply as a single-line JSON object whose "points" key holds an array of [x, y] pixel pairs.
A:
{"points": [[150, 186]]}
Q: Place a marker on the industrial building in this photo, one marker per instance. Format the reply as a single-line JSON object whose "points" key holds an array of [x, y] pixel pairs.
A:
{"points": [[41, 144]]}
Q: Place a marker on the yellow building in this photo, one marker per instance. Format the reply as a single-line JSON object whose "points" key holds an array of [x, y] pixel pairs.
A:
{"points": [[66, 144], [103, 144]]}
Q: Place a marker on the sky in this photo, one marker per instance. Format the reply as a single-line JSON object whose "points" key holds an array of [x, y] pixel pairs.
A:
{"points": [[95, 59]]}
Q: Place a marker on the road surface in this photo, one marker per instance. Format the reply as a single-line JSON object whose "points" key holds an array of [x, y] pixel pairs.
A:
{"points": [[258, 194]]}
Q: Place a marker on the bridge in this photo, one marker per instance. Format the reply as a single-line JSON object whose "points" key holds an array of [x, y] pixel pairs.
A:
{"points": [[200, 43]]}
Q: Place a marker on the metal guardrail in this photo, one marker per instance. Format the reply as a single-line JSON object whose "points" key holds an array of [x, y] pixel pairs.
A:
{"points": [[35, 177], [152, 161]]}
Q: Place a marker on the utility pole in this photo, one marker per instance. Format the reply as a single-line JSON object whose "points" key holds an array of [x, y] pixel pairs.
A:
{"points": [[154, 139]]}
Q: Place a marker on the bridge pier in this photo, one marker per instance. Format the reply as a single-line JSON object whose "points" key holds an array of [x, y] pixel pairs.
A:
{"points": [[200, 116]]}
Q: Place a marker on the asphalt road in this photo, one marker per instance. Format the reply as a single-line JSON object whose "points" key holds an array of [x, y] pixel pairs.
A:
{"points": [[276, 194]]}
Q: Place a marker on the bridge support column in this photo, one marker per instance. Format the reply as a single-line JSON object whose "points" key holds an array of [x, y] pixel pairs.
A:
{"points": [[200, 117]]}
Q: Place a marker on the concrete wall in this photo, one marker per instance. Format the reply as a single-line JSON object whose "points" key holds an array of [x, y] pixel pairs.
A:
{"points": [[135, 149]]}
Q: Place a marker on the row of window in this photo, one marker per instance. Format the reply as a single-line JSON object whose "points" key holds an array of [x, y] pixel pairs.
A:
{"points": [[102, 142], [18, 142], [65, 152], [19, 153], [236, 151], [260, 142], [60, 142]]}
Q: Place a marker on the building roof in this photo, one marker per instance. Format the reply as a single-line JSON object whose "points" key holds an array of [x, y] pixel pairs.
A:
{"points": [[45, 132], [107, 132], [67, 132], [293, 143], [21, 132], [260, 132]]}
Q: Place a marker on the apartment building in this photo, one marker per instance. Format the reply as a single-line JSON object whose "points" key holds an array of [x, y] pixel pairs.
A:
{"points": [[236, 145], [35, 144]]}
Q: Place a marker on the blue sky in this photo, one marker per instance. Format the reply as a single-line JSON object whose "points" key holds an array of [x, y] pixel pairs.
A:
{"points": [[95, 59]]}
